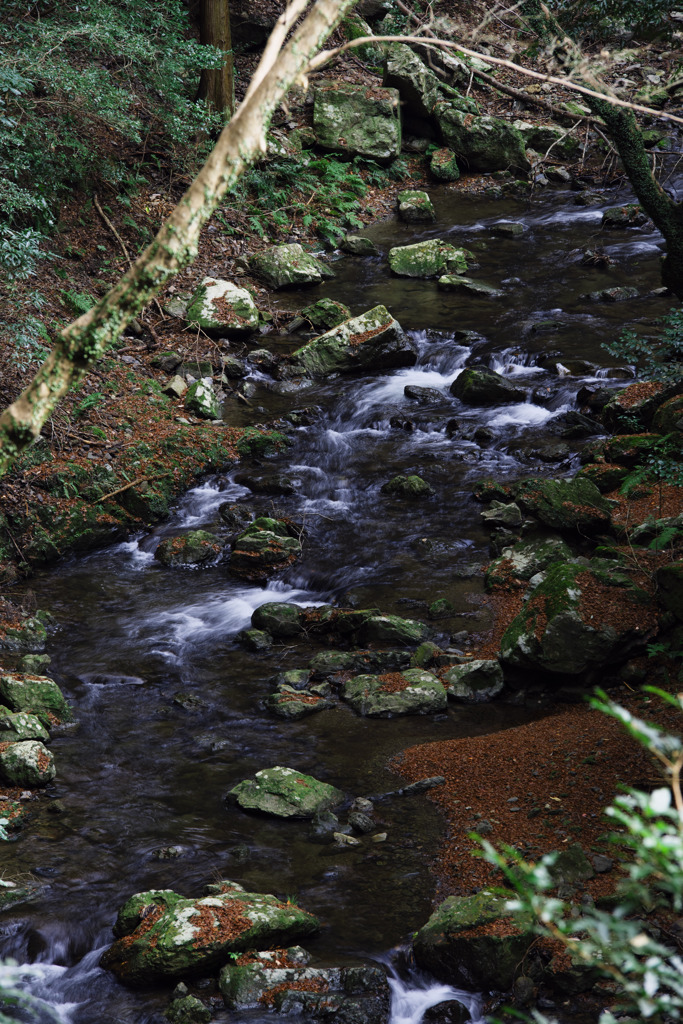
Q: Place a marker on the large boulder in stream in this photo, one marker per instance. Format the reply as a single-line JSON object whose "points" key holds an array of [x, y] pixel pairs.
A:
{"points": [[265, 547], [413, 692], [219, 305], [371, 341], [37, 695], [481, 143], [429, 259], [357, 120], [474, 941], [477, 385], [285, 793], [161, 934], [197, 547], [285, 266], [579, 618]]}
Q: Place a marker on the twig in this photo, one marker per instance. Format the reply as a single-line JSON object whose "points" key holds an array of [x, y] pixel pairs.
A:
{"points": [[133, 483], [121, 242]]}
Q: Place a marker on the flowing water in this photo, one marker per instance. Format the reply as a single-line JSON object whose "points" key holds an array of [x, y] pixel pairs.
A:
{"points": [[142, 771]]}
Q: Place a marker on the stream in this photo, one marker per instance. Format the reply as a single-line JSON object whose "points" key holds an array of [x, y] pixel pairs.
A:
{"points": [[144, 769]]}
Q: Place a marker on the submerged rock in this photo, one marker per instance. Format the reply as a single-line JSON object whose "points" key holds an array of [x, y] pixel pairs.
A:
{"points": [[429, 259], [221, 306], [412, 487], [456, 947], [413, 692], [363, 120], [284, 266], [481, 386], [163, 935], [474, 682], [194, 548], [286, 793], [373, 340], [37, 695], [415, 207]]}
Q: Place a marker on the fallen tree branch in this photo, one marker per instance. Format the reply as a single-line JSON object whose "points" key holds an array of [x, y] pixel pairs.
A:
{"points": [[126, 487]]}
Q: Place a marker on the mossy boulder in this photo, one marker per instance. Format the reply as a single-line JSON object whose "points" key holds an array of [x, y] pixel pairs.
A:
{"points": [[411, 487], [357, 120], [292, 704], [413, 692], [27, 763], [286, 266], [632, 408], [475, 941], [373, 340], [200, 399], [197, 547], [221, 306], [604, 475], [188, 1010], [329, 664], [265, 547], [474, 682], [280, 619], [415, 207], [20, 725], [578, 619], [477, 385], [466, 285], [429, 259], [630, 215], [30, 633], [524, 559], [443, 164], [326, 314], [392, 629], [631, 449], [161, 934], [37, 695], [285, 793], [540, 137], [418, 86], [573, 505], [355, 27], [669, 416], [359, 245], [481, 143]]}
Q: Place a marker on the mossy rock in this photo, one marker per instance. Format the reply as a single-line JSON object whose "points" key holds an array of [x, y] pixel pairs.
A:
{"points": [[631, 449], [357, 120], [483, 387], [265, 547], [279, 619], [481, 143], [164, 935], [524, 559], [200, 399], [418, 86], [286, 266], [604, 475], [198, 547], [413, 692], [256, 444], [632, 409], [443, 164], [285, 793], [669, 416], [326, 314], [629, 216], [329, 664], [188, 1010], [36, 695], [540, 137], [220, 306], [292, 704], [574, 505], [354, 27], [20, 725], [456, 947], [411, 487], [27, 763], [415, 207], [374, 340], [474, 682], [466, 285], [429, 259], [392, 629]]}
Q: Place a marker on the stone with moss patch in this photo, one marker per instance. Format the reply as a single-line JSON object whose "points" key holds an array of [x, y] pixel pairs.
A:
{"points": [[292, 704], [629, 216], [326, 314], [355, 27], [21, 726], [219, 305], [481, 386], [197, 547], [280, 619], [285, 793], [415, 207], [373, 340], [392, 629], [358, 120], [429, 259], [541, 137], [443, 164], [201, 400], [524, 559], [481, 143], [466, 285], [419, 88], [265, 547], [285, 266], [574, 505], [411, 487], [604, 475], [359, 245], [29, 634], [37, 695], [455, 945], [188, 1010], [27, 763], [474, 682], [161, 934], [413, 692]]}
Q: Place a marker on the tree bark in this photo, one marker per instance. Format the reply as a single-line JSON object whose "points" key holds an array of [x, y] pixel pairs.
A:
{"points": [[622, 126], [217, 85], [241, 142]]}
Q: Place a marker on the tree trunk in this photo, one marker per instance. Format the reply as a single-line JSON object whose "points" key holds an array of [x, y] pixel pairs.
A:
{"points": [[622, 127], [217, 85], [241, 142]]}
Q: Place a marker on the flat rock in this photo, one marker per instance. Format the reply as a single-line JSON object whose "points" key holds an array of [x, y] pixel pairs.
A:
{"points": [[222, 306], [373, 340], [285, 266], [285, 793], [413, 692]]}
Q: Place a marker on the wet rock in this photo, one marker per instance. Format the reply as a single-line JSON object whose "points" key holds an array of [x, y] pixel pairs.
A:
{"points": [[236, 517], [429, 259], [501, 514], [411, 487], [424, 395], [481, 386], [670, 588], [361, 822], [524, 559], [481, 143], [373, 340], [188, 1010], [285, 793], [27, 763], [163, 935], [578, 618], [265, 547], [358, 245], [255, 639], [444, 165], [326, 314], [21, 726], [357, 120], [285, 266], [442, 608], [280, 619], [275, 484], [455, 283], [197, 547], [507, 229], [201, 400], [574, 504], [221, 306], [605, 476], [413, 692], [36, 695], [474, 682], [328, 664], [616, 294], [233, 368], [293, 704], [629, 216], [415, 207], [448, 1012], [392, 629], [456, 948]]}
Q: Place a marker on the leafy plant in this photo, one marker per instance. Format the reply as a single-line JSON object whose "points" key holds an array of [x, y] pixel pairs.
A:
{"points": [[78, 302], [656, 357], [619, 942], [588, 14], [90, 401], [28, 340]]}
